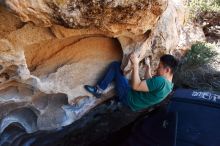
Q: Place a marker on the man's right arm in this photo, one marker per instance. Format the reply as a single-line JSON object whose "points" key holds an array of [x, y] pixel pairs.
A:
{"points": [[147, 74], [147, 68]]}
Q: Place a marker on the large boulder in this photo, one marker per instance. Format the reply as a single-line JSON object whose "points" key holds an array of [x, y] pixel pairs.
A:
{"points": [[50, 49]]}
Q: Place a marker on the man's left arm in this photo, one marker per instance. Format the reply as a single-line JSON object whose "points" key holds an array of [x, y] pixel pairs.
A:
{"points": [[137, 84]]}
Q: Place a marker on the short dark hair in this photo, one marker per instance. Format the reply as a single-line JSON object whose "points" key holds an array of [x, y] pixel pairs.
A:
{"points": [[169, 61]]}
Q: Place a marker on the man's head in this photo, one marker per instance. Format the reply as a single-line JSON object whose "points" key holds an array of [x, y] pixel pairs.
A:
{"points": [[167, 65]]}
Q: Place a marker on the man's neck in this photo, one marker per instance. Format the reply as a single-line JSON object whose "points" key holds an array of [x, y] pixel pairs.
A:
{"points": [[168, 77]]}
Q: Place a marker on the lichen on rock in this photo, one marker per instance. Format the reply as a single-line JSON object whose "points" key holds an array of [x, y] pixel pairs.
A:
{"points": [[111, 16]]}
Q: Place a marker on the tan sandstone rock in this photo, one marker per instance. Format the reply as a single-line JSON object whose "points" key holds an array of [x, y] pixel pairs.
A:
{"points": [[114, 16], [61, 45], [9, 22]]}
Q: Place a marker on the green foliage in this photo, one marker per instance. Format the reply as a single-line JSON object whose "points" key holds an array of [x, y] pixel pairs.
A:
{"points": [[199, 6], [200, 54], [200, 68]]}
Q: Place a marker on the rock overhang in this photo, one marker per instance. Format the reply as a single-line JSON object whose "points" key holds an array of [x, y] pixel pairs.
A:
{"points": [[113, 16], [55, 59]]}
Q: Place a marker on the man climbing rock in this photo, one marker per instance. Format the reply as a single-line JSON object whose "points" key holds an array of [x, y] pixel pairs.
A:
{"points": [[139, 94]]}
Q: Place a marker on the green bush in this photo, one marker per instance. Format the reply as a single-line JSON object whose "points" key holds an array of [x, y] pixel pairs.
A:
{"points": [[199, 6], [200, 54], [199, 68]]}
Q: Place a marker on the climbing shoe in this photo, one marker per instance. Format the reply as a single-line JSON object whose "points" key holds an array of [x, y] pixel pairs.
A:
{"points": [[96, 91]]}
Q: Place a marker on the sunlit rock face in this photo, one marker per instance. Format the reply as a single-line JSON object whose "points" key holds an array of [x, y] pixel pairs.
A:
{"points": [[50, 49], [116, 16]]}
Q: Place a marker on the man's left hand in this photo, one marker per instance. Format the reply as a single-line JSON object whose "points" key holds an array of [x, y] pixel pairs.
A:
{"points": [[134, 59]]}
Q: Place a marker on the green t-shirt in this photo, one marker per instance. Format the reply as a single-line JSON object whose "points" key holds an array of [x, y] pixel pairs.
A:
{"points": [[159, 88]]}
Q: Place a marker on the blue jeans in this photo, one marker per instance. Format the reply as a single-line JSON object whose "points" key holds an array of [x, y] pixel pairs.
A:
{"points": [[121, 83]]}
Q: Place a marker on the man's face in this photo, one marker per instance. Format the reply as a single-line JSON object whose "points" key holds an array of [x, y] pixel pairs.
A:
{"points": [[161, 70]]}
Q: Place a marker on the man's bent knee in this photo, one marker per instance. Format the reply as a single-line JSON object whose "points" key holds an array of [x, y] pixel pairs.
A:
{"points": [[115, 63]]}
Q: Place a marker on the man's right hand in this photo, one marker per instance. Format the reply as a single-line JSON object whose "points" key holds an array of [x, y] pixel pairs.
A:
{"points": [[147, 69]]}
